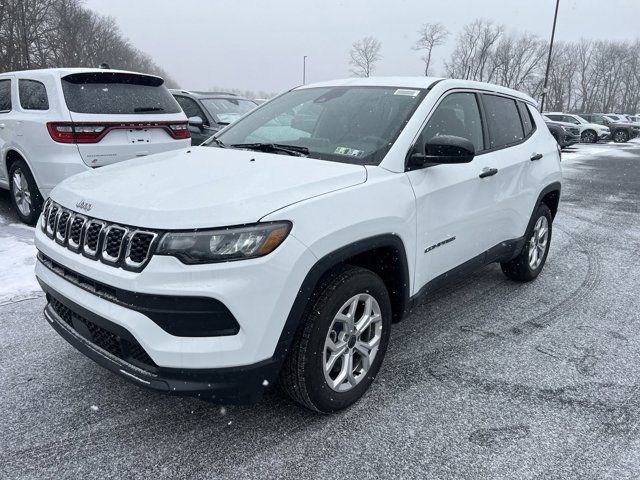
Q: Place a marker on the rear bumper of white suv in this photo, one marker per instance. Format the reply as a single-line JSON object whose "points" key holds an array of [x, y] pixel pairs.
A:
{"points": [[120, 318]]}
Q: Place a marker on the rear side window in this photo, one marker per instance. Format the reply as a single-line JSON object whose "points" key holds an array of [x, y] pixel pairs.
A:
{"points": [[5, 95], [33, 95], [115, 93], [527, 120], [503, 120]]}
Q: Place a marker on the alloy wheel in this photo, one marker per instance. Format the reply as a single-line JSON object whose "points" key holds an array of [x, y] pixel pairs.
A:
{"points": [[620, 137], [352, 342], [589, 137], [538, 242], [21, 192]]}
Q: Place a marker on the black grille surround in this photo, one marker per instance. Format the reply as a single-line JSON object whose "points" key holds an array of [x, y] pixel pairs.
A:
{"points": [[117, 245], [180, 316]]}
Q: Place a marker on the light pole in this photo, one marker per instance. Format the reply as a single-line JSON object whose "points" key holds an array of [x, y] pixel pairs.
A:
{"points": [[304, 69], [546, 73]]}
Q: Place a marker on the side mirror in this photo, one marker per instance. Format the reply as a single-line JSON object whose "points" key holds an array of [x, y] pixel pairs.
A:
{"points": [[196, 122], [443, 149]]}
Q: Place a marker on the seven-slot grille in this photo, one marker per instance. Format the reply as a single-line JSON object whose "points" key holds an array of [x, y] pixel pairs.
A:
{"points": [[113, 244]]}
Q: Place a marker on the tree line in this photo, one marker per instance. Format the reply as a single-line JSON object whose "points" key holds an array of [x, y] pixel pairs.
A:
{"points": [[64, 33], [585, 75]]}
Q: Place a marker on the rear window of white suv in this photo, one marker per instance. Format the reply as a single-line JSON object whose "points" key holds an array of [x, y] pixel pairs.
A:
{"points": [[116, 93]]}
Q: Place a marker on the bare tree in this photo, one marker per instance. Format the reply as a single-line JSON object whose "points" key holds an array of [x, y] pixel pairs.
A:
{"points": [[430, 35], [364, 55], [474, 49], [63, 33]]}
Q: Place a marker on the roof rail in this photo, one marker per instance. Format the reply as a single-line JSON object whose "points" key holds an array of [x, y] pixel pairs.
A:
{"points": [[216, 93]]}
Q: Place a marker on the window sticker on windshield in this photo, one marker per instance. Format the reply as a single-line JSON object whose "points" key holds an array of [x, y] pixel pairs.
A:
{"points": [[351, 152], [407, 93]]}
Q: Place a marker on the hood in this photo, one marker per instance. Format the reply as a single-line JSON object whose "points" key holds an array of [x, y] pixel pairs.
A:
{"points": [[564, 124], [202, 187], [595, 126]]}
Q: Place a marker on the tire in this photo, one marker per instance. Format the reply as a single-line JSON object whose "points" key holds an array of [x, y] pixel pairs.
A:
{"points": [[524, 267], [620, 136], [25, 195], [304, 376], [589, 136]]}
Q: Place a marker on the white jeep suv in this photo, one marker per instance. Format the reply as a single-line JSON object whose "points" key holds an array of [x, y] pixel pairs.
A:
{"points": [[286, 246], [55, 123]]}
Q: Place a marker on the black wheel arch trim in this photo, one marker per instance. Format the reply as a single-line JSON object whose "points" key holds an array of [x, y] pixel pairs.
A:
{"points": [[324, 266]]}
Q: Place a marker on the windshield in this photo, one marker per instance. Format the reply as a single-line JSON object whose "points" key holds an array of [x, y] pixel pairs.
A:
{"points": [[227, 110], [343, 124], [117, 93]]}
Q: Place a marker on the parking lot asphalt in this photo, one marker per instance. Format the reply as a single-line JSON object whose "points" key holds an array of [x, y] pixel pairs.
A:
{"points": [[487, 379]]}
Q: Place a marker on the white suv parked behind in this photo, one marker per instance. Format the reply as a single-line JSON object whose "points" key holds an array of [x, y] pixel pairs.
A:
{"points": [[589, 132], [287, 245], [55, 123]]}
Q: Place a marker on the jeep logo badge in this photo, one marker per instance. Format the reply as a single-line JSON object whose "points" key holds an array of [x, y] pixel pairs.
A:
{"points": [[82, 205]]}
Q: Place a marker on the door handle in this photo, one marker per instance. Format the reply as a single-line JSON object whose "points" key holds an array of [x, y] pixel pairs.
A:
{"points": [[536, 156], [487, 172]]}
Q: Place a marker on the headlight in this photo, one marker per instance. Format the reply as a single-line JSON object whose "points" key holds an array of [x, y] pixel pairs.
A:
{"points": [[225, 244], [567, 129]]}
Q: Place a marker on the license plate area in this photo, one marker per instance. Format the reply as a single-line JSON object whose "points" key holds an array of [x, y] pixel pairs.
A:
{"points": [[138, 135]]}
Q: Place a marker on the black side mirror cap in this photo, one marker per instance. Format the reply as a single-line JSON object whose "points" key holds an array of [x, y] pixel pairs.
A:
{"points": [[443, 149]]}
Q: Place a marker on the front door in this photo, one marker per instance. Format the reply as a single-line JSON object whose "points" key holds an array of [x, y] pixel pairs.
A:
{"points": [[455, 214]]}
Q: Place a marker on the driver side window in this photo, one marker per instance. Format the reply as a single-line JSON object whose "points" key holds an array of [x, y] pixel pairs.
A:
{"points": [[458, 115]]}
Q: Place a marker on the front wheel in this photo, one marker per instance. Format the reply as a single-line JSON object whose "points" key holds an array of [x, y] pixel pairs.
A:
{"points": [[338, 351], [25, 196], [531, 259], [589, 137], [620, 136]]}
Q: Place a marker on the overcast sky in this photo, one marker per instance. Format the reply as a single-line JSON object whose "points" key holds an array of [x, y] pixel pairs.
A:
{"points": [[259, 44]]}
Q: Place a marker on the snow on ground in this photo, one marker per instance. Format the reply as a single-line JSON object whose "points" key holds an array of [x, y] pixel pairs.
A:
{"points": [[17, 260], [581, 150]]}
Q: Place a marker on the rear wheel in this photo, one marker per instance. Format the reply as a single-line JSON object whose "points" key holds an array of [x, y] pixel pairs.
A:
{"points": [[620, 136], [337, 353], [25, 196], [589, 136], [531, 259]]}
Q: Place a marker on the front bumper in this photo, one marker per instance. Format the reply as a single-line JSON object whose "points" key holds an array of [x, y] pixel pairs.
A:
{"points": [[238, 385], [258, 293], [570, 139]]}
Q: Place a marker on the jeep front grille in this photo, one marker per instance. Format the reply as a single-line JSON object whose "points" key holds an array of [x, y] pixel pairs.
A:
{"points": [[113, 244]]}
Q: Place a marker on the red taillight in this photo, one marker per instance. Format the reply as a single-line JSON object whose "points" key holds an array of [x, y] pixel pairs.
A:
{"points": [[69, 132], [179, 130]]}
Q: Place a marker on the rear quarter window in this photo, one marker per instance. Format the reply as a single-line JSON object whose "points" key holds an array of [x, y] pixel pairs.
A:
{"points": [[115, 93], [5, 95], [33, 95], [503, 121], [527, 120]]}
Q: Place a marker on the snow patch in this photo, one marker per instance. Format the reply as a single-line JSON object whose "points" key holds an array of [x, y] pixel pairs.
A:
{"points": [[17, 262]]}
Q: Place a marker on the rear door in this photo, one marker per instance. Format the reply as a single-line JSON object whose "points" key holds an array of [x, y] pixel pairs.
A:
{"points": [[6, 126], [118, 116], [510, 151]]}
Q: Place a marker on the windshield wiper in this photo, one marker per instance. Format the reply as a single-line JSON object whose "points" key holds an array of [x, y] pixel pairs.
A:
{"points": [[274, 147], [148, 109]]}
